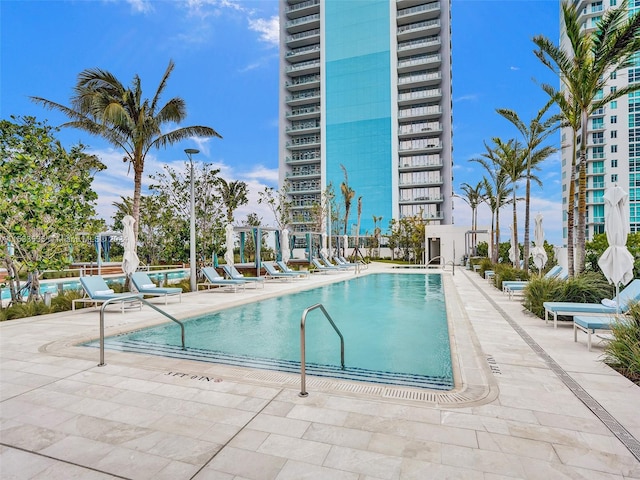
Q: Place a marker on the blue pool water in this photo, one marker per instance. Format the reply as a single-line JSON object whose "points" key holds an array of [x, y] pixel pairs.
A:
{"points": [[394, 328]]}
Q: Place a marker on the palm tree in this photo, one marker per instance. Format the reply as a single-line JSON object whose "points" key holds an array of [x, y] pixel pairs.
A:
{"points": [[583, 72], [534, 134], [347, 193], [571, 118], [104, 107], [233, 195], [497, 192], [474, 197]]}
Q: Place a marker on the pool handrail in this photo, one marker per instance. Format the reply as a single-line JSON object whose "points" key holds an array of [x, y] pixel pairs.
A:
{"points": [[303, 373], [137, 298]]}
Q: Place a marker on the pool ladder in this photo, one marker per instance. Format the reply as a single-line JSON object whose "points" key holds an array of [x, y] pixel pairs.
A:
{"points": [[303, 374], [131, 298]]}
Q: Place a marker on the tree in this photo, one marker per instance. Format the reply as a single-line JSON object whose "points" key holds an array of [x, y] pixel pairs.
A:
{"points": [[497, 191], [233, 195], [533, 135], [583, 72], [103, 106], [279, 202], [474, 196], [570, 118], [347, 194], [46, 200]]}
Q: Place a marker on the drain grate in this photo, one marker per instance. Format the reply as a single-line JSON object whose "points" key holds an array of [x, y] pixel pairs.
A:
{"points": [[591, 403]]}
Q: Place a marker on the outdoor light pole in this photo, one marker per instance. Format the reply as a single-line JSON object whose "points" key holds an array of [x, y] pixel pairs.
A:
{"points": [[192, 224]]}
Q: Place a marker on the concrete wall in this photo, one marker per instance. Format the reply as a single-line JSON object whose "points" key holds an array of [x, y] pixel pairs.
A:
{"points": [[448, 242]]}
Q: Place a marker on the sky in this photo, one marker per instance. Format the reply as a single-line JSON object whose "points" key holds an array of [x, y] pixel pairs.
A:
{"points": [[226, 70]]}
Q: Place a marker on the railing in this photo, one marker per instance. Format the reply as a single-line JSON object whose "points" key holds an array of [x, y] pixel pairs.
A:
{"points": [[303, 374], [136, 298]]}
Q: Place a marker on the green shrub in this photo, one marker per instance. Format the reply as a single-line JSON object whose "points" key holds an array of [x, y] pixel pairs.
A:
{"points": [[622, 352], [506, 272], [30, 309], [62, 302], [485, 264], [540, 290]]}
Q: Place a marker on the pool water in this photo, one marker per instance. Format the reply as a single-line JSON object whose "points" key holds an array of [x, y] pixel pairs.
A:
{"points": [[394, 327]]}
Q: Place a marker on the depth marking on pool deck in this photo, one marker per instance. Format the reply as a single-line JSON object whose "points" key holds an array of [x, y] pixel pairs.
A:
{"points": [[591, 403]]}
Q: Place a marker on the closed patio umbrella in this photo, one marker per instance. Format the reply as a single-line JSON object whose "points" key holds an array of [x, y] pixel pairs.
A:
{"points": [[130, 260], [616, 262], [513, 248], [538, 252], [284, 244], [230, 237]]}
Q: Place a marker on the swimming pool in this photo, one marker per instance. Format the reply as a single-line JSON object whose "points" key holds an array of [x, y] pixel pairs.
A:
{"points": [[394, 326]]}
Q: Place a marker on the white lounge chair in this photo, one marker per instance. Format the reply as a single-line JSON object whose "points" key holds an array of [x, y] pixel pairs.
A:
{"points": [[272, 272], [285, 268], [233, 273]]}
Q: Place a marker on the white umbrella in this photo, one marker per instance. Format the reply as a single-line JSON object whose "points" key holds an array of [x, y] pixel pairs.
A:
{"points": [[616, 262], [130, 260], [323, 245], [345, 245], [538, 252], [284, 245], [230, 237], [513, 249]]}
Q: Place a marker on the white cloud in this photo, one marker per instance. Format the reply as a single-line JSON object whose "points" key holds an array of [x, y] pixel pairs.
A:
{"points": [[140, 6], [514, 68], [269, 29], [466, 98]]}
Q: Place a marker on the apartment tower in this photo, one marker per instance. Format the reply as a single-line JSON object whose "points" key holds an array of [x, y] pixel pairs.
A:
{"points": [[613, 135], [366, 85]]}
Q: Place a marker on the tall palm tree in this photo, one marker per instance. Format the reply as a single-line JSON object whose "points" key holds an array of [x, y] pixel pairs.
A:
{"points": [[101, 105], [571, 118], [474, 196], [583, 72], [347, 193], [533, 134], [233, 195], [497, 191]]}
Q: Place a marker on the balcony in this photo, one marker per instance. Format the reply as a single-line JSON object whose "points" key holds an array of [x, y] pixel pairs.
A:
{"points": [[420, 112], [304, 112], [406, 98], [418, 29], [419, 12], [303, 142], [421, 182], [420, 162], [420, 79], [432, 43], [303, 82], [304, 156], [308, 171], [302, 8], [310, 66], [422, 200], [303, 53], [301, 24], [418, 62], [420, 145], [308, 37], [308, 126], [302, 97], [416, 129]]}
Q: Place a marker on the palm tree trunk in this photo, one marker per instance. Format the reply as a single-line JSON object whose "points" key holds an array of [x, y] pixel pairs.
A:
{"points": [[496, 250], [137, 187], [582, 197], [527, 217], [516, 253], [571, 209]]}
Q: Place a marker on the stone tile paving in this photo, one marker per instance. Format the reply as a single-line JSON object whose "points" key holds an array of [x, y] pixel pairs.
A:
{"points": [[63, 417]]}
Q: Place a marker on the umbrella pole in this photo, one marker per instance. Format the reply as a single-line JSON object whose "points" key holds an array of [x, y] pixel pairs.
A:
{"points": [[617, 299]]}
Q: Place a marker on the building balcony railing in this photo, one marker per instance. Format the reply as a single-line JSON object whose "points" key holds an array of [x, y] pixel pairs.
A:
{"points": [[299, 24], [298, 7], [309, 65], [312, 172], [595, 185], [424, 111], [416, 147], [420, 162], [301, 142], [304, 53], [304, 95], [303, 126], [419, 61], [432, 93], [308, 36], [413, 30], [419, 182], [597, 171], [427, 215], [420, 78], [420, 128], [433, 8], [419, 43], [428, 199], [599, 112], [305, 156], [304, 111]]}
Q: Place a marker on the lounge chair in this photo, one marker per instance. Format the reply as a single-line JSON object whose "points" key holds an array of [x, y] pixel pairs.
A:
{"points": [[630, 294], [323, 268], [343, 261], [512, 286], [590, 325], [274, 273], [285, 268], [214, 280], [328, 263], [233, 273], [97, 292], [145, 285]]}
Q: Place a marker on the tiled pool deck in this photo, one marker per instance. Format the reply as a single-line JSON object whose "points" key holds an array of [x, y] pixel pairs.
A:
{"points": [[146, 417]]}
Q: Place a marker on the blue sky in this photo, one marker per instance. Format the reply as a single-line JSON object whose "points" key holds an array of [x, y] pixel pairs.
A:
{"points": [[226, 56]]}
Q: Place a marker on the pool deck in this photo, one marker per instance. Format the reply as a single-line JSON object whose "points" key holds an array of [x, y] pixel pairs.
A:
{"points": [[147, 417]]}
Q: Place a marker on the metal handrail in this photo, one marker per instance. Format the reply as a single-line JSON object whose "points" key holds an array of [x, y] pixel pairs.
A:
{"points": [[303, 374], [140, 299]]}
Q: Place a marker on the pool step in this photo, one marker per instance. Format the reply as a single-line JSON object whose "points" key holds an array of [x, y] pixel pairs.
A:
{"points": [[330, 371]]}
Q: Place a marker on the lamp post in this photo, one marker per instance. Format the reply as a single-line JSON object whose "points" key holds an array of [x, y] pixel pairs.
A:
{"points": [[192, 223]]}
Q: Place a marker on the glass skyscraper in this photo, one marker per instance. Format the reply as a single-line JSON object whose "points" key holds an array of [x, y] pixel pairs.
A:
{"points": [[366, 85]]}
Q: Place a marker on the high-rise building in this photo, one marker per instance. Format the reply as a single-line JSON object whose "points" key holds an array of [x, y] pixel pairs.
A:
{"points": [[613, 135], [366, 85]]}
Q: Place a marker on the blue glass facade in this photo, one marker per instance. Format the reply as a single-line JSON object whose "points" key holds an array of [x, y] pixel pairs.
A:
{"points": [[358, 105]]}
